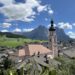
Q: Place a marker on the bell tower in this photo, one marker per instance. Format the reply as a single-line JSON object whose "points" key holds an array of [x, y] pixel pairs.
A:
{"points": [[53, 40]]}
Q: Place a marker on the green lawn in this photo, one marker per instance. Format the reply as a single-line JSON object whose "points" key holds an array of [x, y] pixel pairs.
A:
{"points": [[13, 42]]}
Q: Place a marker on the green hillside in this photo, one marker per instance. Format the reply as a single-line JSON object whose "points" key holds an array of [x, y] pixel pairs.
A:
{"points": [[14, 40], [11, 35]]}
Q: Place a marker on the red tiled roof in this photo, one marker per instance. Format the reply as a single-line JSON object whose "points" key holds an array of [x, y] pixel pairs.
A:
{"points": [[33, 48], [38, 48]]}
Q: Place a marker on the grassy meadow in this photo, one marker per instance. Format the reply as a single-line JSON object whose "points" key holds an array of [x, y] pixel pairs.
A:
{"points": [[14, 42]]}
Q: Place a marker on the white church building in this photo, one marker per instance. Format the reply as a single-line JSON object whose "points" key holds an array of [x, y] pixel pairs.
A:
{"points": [[35, 49]]}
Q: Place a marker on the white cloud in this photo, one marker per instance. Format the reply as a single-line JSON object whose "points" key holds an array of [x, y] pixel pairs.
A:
{"points": [[6, 25], [4, 30], [17, 30], [6, 2], [28, 30], [41, 8], [71, 34], [23, 11], [50, 11], [18, 12], [65, 25]]}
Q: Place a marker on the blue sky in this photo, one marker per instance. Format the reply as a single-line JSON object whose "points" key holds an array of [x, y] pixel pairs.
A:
{"points": [[25, 15]]}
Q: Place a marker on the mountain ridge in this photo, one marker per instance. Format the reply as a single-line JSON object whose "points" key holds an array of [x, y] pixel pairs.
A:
{"points": [[41, 33]]}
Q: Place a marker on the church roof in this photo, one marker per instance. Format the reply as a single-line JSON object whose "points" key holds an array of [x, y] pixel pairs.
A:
{"points": [[32, 49]]}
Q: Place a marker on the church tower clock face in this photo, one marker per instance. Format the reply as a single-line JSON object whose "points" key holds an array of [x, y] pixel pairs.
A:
{"points": [[53, 39]]}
